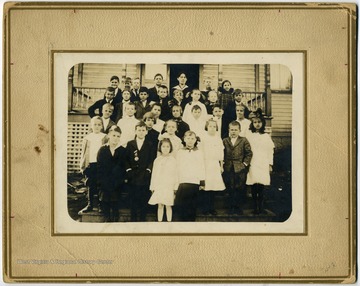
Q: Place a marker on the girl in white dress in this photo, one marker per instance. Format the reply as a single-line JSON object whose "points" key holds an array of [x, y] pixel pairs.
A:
{"points": [[164, 180], [171, 128], [261, 163], [213, 149]]}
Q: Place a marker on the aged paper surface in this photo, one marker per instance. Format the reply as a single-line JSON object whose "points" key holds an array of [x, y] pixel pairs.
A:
{"points": [[34, 251]]}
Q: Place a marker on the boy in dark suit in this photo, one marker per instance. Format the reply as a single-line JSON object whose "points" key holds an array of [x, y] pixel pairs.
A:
{"points": [[139, 161], [111, 174], [237, 157], [143, 105], [96, 108], [153, 92]]}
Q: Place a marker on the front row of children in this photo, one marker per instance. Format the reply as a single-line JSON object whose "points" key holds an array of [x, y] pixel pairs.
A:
{"points": [[196, 169]]}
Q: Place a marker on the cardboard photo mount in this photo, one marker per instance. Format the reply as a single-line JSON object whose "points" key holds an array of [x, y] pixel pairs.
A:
{"points": [[325, 253]]}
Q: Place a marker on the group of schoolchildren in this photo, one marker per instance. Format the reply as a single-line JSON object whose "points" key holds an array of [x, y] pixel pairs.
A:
{"points": [[174, 148]]}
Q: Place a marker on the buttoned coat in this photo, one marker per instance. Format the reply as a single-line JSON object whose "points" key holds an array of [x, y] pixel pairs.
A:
{"points": [[236, 155]]}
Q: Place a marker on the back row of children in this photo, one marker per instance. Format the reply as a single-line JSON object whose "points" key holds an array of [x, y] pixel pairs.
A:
{"points": [[182, 155]]}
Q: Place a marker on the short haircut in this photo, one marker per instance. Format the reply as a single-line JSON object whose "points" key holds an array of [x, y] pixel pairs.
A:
{"points": [[208, 122], [165, 140], [235, 123], [195, 107], [111, 89], [130, 104], [156, 104], [178, 106], [164, 86], [195, 89], [137, 78], [213, 91], [190, 133], [114, 77], [158, 74], [246, 110], [115, 128], [167, 122], [143, 89], [93, 119], [237, 91], [216, 105], [108, 105], [147, 115], [127, 89], [178, 91], [140, 124]]}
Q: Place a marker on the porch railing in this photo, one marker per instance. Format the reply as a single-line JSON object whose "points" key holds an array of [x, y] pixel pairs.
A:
{"points": [[83, 97], [255, 100]]}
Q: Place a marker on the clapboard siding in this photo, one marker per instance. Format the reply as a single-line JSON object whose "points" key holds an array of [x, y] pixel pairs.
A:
{"points": [[281, 112], [241, 76], [98, 75]]}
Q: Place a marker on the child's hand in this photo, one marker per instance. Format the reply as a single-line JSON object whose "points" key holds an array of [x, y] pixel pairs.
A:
{"points": [[270, 168]]}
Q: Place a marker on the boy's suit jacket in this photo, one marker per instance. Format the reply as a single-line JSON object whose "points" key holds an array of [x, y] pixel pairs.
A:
{"points": [[98, 106], [107, 128], [141, 110], [138, 163], [153, 94], [111, 172], [236, 155]]}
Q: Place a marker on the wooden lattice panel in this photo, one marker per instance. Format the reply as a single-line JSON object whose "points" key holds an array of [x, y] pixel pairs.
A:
{"points": [[76, 133]]}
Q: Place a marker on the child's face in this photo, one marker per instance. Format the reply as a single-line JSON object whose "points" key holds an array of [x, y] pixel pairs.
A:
{"points": [[128, 84], [196, 113], [162, 92], [238, 97], [212, 128], [257, 123], [165, 148], [234, 131], [156, 110], [240, 112], [190, 141], [149, 122], [212, 97], [97, 126], [140, 132], [227, 86], [143, 95], [217, 112], [136, 83], [178, 95], [195, 95], [107, 111], [114, 83], [176, 112], [182, 79], [114, 138], [109, 95], [171, 127], [130, 110], [207, 82], [126, 95], [158, 80]]}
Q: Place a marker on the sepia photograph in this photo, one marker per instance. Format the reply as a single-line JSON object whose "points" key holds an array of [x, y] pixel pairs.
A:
{"points": [[181, 141]]}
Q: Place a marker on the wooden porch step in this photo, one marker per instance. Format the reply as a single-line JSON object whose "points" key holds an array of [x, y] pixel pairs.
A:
{"points": [[222, 216]]}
